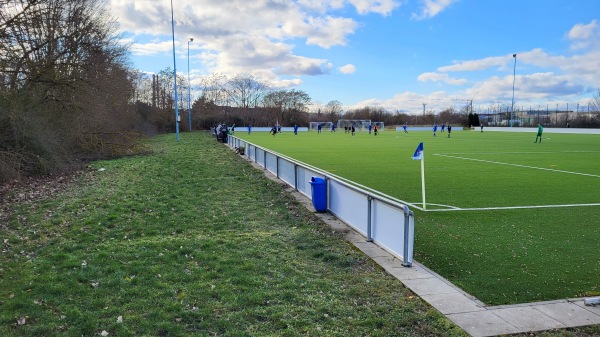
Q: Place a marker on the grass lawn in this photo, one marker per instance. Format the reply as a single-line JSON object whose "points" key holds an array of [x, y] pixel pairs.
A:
{"points": [[189, 241], [508, 220]]}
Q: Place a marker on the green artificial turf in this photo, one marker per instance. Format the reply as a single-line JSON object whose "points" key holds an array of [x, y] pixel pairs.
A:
{"points": [[545, 249]]}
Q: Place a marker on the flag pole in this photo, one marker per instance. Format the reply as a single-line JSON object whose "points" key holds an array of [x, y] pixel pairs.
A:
{"points": [[423, 180]]}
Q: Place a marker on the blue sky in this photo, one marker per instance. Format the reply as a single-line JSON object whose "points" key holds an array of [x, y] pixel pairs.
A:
{"points": [[396, 54]]}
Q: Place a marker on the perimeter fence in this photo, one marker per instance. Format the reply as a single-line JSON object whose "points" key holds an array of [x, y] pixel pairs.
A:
{"points": [[382, 220]]}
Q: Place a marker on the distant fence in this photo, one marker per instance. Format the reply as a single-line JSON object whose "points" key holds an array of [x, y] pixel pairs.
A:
{"points": [[382, 220]]}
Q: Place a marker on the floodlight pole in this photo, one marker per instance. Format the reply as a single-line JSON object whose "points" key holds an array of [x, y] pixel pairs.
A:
{"points": [[512, 109], [189, 88], [175, 76]]}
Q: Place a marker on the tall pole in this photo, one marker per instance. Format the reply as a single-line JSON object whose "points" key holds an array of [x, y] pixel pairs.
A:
{"points": [[175, 76], [189, 88], [512, 110]]}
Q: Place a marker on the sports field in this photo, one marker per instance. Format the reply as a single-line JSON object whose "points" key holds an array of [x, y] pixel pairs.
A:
{"points": [[508, 220]]}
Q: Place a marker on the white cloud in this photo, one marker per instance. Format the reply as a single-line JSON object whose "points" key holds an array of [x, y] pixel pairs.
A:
{"points": [[432, 8], [474, 65], [152, 48], [347, 69], [582, 32], [437, 77], [585, 36], [236, 35], [383, 7], [324, 32]]}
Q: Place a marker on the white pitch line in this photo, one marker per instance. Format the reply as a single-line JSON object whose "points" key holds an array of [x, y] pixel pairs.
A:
{"points": [[509, 207], [517, 165], [528, 152]]}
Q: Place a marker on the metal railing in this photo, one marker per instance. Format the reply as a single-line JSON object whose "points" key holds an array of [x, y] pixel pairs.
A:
{"points": [[381, 219]]}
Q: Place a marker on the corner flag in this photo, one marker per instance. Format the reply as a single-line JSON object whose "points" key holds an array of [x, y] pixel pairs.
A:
{"points": [[419, 156], [418, 152]]}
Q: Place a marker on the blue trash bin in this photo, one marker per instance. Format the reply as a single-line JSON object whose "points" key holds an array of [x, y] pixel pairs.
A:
{"points": [[319, 193]]}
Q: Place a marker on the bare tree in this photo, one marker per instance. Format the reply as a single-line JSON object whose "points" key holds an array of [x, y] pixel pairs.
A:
{"points": [[245, 91], [63, 80], [290, 105], [334, 110]]}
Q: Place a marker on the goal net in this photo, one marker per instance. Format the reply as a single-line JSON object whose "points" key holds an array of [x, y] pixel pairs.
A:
{"points": [[359, 124], [325, 126]]}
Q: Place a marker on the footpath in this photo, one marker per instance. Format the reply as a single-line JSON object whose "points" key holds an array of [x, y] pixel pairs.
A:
{"points": [[464, 310]]}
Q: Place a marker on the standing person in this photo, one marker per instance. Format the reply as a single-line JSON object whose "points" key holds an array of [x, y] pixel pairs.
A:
{"points": [[295, 129], [434, 129], [224, 132], [353, 129], [332, 127], [481, 127], [249, 128], [443, 126], [449, 130], [274, 130], [370, 126], [405, 128], [233, 129], [375, 129], [319, 128], [539, 133]]}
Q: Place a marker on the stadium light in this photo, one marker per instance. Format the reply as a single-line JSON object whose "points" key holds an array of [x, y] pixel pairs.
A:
{"points": [[189, 87], [175, 76], [512, 109]]}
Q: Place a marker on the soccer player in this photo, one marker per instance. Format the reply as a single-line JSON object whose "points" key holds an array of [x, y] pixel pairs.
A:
{"points": [[319, 128], [295, 129], [443, 126], [449, 130], [539, 133], [404, 127], [375, 129], [434, 129]]}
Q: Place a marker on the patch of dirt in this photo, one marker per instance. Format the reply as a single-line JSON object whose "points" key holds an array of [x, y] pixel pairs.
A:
{"points": [[32, 189]]}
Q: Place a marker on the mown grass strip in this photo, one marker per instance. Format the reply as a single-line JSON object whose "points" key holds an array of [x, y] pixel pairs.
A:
{"points": [[191, 240]]}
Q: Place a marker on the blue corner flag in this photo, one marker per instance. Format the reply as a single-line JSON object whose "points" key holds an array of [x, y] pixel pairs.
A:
{"points": [[418, 152]]}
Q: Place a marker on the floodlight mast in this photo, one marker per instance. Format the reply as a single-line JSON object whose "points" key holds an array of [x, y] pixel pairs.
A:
{"points": [[175, 76], [189, 87], [512, 109]]}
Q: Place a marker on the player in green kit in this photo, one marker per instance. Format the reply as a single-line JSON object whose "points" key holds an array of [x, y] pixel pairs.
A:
{"points": [[539, 134]]}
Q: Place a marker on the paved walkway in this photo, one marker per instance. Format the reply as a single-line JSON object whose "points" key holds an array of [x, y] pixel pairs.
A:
{"points": [[464, 310]]}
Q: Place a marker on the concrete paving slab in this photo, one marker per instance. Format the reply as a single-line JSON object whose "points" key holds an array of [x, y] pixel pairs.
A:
{"points": [[355, 237], [371, 249], [527, 319], [452, 303], [412, 273], [429, 286], [568, 313], [482, 323], [388, 262], [590, 308]]}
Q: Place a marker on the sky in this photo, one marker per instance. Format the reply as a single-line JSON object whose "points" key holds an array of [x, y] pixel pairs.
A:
{"points": [[401, 55]]}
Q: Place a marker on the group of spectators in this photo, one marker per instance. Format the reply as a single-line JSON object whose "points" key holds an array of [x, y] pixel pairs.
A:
{"points": [[221, 131]]}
